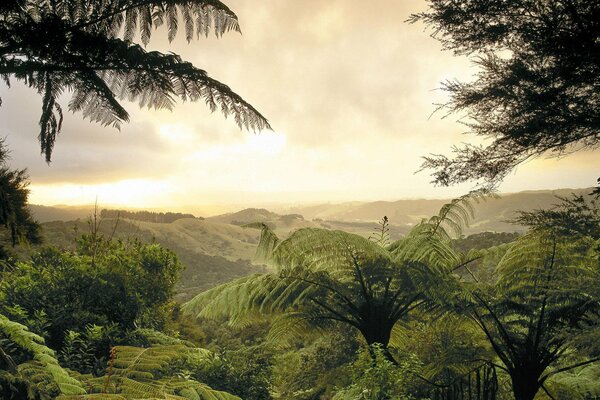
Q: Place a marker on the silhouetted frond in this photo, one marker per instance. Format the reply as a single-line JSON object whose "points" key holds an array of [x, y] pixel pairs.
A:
{"points": [[87, 48]]}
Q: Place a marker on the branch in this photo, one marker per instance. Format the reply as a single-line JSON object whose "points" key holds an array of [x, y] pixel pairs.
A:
{"points": [[330, 288], [547, 392], [501, 328], [580, 364]]}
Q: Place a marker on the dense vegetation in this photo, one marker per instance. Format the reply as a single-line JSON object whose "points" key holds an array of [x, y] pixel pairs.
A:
{"points": [[434, 315], [335, 315], [148, 216]]}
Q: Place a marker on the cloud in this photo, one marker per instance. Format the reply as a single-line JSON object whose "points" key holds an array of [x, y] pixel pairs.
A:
{"points": [[348, 85]]}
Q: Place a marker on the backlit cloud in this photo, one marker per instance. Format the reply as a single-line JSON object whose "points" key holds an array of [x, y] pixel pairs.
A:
{"points": [[347, 85]]}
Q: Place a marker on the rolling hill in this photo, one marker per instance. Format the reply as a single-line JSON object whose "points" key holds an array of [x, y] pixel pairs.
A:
{"points": [[218, 249]]}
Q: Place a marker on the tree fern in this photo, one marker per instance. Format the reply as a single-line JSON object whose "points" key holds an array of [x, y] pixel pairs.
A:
{"points": [[87, 48], [534, 313], [43, 373], [325, 279]]}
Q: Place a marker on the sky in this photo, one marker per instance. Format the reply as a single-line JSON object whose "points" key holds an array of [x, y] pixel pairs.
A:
{"points": [[348, 86]]}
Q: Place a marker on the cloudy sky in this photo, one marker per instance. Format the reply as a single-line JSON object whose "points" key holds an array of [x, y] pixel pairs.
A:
{"points": [[347, 85]]}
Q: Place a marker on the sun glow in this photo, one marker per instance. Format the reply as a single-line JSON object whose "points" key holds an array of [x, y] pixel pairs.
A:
{"points": [[139, 192]]}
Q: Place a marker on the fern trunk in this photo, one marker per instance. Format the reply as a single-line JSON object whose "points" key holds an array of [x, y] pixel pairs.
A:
{"points": [[525, 384], [379, 332]]}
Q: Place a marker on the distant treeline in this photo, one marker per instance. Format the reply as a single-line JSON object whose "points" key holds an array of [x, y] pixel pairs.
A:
{"points": [[147, 216]]}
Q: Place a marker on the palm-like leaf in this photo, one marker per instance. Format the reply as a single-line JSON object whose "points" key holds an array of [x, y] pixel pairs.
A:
{"points": [[86, 47], [324, 278], [150, 373], [43, 374]]}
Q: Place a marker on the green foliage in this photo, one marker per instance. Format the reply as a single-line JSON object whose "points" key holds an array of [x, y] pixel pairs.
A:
{"points": [[125, 283], [315, 368], [149, 373], [575, 215], [43, 375], [377, 378], [544, 297], [87, 48], [245, 372], [324, 278], [484, 240], [85, 351], [15, 216], [580, 384], [454, 355]]}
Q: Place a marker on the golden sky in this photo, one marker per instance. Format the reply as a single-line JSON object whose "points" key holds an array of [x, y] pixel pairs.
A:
{"points": [[347, 85]]}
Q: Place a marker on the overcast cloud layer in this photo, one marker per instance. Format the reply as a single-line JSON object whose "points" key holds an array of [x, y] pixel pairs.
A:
{"points": [[348, 87]]}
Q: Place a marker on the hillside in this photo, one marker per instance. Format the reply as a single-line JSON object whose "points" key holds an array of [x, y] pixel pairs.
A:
{"points": [[211, 253], [218, 249], [60, 213], [490, 215]]}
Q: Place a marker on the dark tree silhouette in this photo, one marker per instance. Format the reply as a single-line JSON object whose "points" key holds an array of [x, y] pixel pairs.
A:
{"points": [[86, 47], [542, 311], [538, 88], [14, 214]]}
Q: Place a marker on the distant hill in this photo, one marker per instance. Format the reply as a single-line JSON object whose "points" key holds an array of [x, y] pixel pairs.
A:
{"points": [[60, 213], [148, 216], [218, 249], [491, 215], [245, 216]]}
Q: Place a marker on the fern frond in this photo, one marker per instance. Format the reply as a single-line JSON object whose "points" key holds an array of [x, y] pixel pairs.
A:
{"points": [[44, 370], [92, 54], [267, 242], [429, 241], [151, 373], [322, 249]]}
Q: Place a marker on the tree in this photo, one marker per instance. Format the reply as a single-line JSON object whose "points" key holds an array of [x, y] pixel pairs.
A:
{"points": [[15, 216], [87, 48], [332, 279], [544, 301], [537, 91]]}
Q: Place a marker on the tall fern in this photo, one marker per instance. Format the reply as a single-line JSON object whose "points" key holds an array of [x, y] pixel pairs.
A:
{"points": [[325, 278], [540, 304], [150, 373], [43, 374]]}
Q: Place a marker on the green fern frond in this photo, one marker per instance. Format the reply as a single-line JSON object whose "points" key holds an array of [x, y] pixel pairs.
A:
{"points": [[268, 241], [322, 249], [429, 241], [151, 373], [44, 370]]}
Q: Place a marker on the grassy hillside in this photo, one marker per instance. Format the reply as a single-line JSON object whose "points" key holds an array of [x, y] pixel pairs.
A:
{"points": [[218, 249], [211, 253], [60, 213], [491, 215]]}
